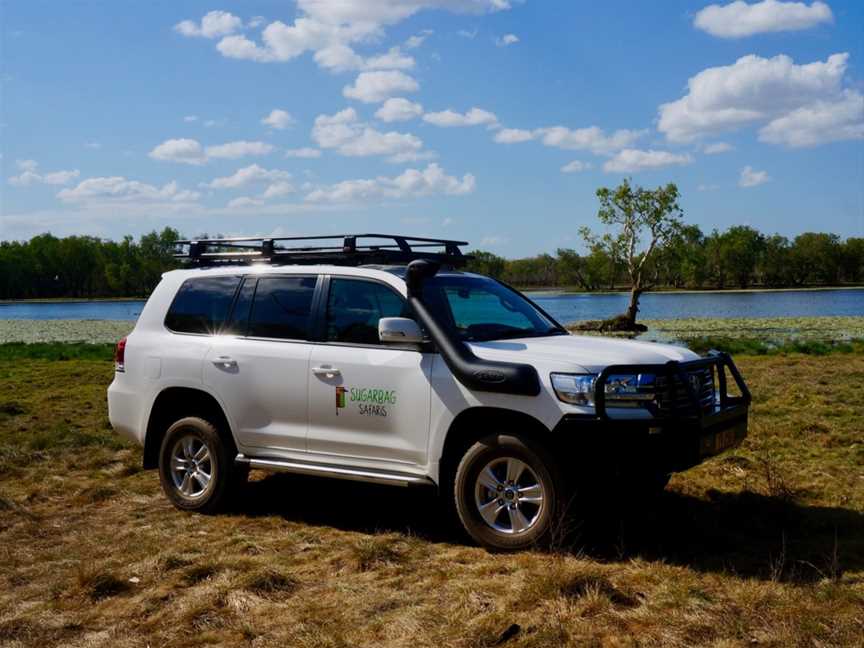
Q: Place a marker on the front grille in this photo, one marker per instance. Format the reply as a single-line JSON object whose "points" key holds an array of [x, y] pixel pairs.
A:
{"points": [[673, 397]]}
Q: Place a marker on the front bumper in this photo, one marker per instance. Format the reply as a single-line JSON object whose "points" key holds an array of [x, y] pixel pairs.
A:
{"points": [[672, 440]]}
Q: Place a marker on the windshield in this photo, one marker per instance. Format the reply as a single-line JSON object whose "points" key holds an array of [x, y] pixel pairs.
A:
{"points": [[480, 309]]}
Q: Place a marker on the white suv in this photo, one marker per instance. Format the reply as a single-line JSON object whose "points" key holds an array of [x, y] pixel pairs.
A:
{"points": [[375, 359]]}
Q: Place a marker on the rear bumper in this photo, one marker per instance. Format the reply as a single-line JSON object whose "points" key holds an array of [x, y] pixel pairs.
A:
{"points": [[124, 410], [670, 441]]}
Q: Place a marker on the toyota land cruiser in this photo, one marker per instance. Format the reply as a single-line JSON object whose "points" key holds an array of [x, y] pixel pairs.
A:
{"points": [[375, 358]]}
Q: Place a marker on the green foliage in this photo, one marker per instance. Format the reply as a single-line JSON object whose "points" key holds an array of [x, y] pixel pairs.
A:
{"points": [[84, 266], [735, 258], [88, 267]]}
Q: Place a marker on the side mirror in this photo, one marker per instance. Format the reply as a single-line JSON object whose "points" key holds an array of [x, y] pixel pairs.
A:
{"points": [[399, 330]]}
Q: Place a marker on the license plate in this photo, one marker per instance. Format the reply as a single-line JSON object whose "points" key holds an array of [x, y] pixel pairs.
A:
{"points": [[717, 442]]}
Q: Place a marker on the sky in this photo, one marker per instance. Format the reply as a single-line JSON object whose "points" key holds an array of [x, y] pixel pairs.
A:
{"points": [[491, 121]]}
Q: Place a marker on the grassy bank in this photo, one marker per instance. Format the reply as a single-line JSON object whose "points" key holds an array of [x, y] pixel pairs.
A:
{"points": [[762, 546], [770, 331]]}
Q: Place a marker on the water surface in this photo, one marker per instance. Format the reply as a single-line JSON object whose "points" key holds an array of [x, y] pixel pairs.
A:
{"points": [[565, 307]]}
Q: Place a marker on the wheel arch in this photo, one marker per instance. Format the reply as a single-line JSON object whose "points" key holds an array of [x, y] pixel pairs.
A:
{"points": [[473, 424], [174, 403]]}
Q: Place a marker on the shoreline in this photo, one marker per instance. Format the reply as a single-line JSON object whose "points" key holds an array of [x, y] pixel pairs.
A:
{"points": [[684, 291], [556, 290]]}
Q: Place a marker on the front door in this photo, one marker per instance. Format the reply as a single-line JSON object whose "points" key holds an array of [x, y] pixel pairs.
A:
{"points": [[260, 367], [366, 400]]}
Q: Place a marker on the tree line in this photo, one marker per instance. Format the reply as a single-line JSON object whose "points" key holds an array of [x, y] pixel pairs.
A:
{"points": [[739, 257], [85, 266]]}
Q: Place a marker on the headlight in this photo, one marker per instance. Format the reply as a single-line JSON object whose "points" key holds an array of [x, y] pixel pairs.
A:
{"points": [[575, 389]]}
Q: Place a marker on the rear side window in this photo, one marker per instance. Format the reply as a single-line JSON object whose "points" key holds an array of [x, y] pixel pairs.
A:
{"points": [[201, 305], [242, 307], [282, 307]]}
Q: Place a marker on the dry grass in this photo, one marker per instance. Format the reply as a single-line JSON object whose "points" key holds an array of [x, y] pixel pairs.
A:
{"points": [[763, 546]]}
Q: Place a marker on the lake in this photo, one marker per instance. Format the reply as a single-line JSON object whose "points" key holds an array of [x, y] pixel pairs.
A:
{"points": [[565, 307]]}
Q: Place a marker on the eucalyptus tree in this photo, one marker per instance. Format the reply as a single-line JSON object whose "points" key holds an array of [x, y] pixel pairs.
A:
{"points": [[640, 221]]}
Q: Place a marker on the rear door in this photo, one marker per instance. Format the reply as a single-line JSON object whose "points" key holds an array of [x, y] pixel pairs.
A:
{"points": [[368, 401], [260, 367]]}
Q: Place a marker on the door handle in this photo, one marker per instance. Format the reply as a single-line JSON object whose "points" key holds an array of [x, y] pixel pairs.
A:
{"points": [[225, 362], [328, 371]]}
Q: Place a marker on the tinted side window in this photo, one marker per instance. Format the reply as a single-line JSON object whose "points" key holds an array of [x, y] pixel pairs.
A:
{"points": [[282, 307], [201, 305], [242, 307], [354, 308]]}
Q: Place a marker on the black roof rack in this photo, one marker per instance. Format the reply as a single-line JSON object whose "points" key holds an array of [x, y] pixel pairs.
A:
{"points": [[334, 249]]}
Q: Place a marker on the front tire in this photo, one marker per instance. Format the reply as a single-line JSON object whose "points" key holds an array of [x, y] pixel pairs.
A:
{"points": [[508, 493], [196, 466]]}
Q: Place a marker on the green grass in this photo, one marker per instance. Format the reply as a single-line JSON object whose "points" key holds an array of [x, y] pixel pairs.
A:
{"points": [[56, 351], [757, 346], [763, 545]]}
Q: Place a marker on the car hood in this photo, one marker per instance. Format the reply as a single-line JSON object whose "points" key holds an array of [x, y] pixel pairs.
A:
{"points": [[583, 353]]}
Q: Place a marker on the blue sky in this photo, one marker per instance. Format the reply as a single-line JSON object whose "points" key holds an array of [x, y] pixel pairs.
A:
{"points": [[492, 121]]}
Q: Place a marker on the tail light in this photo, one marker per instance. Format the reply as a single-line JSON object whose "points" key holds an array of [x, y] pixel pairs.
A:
{"points": [[120, 356]]}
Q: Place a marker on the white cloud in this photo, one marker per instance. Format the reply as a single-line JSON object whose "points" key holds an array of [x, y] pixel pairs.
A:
{"points": [[60, 177], [278, 189], [374, 87], [470, 35], [739, 19], [507, 39], [417, 40], [707, 187], [493, 240], [752, 178], [449, 118], [576, 166], [513, 135], [393, 59], [118, 189], [248, 175], [241, 148], [717, 147], [190, 118], [278, 119], [186, 151], [92, 144], [245, 201], [397, 109], [412, 183], [350, 137], [751, 91], [633, 160], [305, 152], [213, 25], [339, 57], [591, 138], [30, 175], [329, 29], [190, 151], [819, 123]]}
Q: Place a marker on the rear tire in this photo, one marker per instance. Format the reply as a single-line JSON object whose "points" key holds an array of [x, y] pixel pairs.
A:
{"points": [[196, 466], [509, 493]]}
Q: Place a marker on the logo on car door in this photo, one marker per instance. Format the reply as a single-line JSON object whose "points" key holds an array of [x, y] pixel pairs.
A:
{"points": [[370, 401]]}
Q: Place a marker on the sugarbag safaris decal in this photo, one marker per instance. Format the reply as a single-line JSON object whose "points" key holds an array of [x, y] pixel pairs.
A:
{"points": [[366, 401]]}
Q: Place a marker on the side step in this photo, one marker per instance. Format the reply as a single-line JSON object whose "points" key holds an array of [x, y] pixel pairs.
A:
{"points": [[336, 472]]}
